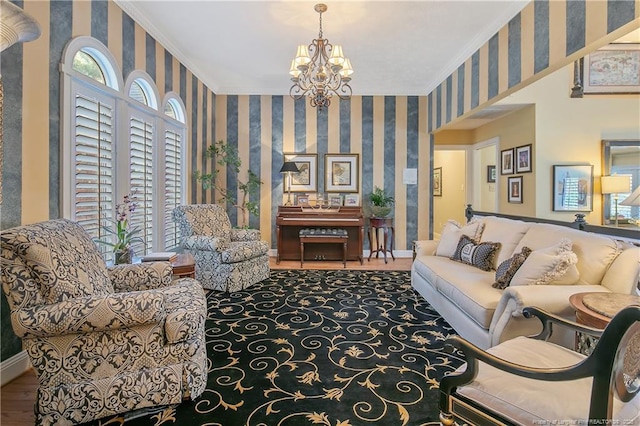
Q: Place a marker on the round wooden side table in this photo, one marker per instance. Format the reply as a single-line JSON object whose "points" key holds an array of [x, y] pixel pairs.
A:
{"points": [[184, 266], [386, 224]]}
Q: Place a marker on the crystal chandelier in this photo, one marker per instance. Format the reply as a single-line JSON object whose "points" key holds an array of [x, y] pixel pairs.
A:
{"points": [[320, 70]]}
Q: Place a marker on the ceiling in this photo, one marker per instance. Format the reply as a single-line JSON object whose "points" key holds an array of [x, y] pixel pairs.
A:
{"points": [[395, 47]]}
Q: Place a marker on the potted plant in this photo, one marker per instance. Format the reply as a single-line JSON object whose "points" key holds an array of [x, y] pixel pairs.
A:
{"points": [[125, 237], [380, 203]]}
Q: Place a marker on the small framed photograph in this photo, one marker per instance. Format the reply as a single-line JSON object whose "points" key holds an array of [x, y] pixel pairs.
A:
{"points": [[514, 189], [335, 199], [491, 174], [307, 179], [573, 188], [523, 159], [613, 69], [341, 171], [301, 199], [506, 163], [352, 200], [437, 182]]}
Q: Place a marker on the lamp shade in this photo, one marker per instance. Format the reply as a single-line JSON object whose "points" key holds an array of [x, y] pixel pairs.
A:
{"points": [[633, 199], [615, 184], [289, 166]]}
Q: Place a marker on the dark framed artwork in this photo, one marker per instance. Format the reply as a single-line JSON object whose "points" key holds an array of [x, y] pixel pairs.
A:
{"points": [[491, 174], [523, 159], [506, 161], [437, 182], [307, 179], [573, 188], [341, 172], [514, 189]]}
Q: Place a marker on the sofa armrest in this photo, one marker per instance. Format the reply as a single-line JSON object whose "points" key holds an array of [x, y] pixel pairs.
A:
{"points": [[425, 247], [140, 276], [202, 243], [508, 321], [245, 234], [89, 314]]}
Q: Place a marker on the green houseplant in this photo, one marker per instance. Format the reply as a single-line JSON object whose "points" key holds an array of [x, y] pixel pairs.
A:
{"points": [[226, 156], [380, 203], [124, 236]]}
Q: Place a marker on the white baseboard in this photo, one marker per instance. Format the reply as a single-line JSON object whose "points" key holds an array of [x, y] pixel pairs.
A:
{"points": [[14, 367]]}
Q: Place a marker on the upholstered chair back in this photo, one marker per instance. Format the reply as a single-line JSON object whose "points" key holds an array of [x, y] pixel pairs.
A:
{"points": [[51, 262], [209, 220]]}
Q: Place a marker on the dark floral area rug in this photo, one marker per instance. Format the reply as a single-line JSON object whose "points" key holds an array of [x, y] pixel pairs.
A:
{"points": [[308, 347]]}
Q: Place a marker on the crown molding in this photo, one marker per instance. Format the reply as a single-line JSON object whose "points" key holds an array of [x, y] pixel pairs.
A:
{"points": [[130, 9]]}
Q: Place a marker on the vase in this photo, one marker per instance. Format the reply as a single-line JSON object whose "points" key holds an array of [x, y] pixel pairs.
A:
{"points": [[123, 256], [380, 211]]}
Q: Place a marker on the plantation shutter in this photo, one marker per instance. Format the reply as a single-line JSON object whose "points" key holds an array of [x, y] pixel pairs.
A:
{"points": [[141, 182], [172, 185], [94, 184]]}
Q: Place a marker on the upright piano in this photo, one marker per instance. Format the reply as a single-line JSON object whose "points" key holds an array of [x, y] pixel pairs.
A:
{"points": [[291, 219]]}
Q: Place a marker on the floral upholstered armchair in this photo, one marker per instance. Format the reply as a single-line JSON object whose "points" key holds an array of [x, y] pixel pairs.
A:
{"points": [[227, 259], [101, 340]]}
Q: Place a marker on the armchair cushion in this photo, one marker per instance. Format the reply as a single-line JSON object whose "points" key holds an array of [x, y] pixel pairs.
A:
{"points": [[241, 251], [202, 243], [140, 276], [245, 234], [63, 259]]}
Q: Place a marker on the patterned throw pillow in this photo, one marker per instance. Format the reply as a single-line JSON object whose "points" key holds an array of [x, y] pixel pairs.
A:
{"points": [[509, 267], [452, 232], [480, 255]]}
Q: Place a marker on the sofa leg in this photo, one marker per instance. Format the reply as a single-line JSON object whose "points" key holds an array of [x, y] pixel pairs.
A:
{"points": [[446, 419]]}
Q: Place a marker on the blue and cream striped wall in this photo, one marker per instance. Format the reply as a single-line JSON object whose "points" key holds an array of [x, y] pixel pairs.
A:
{"points": [[544, 37]]}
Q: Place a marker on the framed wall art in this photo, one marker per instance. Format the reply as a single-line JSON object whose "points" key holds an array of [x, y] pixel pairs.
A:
{"points": [[514, 189], [437, 182], [491, 174], [523, 159], [613, 69], [341, 172], [307, 179], [335, 199], [301, 200], [506, 161], [573, 188]]}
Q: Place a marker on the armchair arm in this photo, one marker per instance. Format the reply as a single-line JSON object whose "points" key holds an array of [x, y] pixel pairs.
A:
{"points": [[140, 276], [508, 321], [88, 314], [245, 234], [201, 242], [425, 247]]}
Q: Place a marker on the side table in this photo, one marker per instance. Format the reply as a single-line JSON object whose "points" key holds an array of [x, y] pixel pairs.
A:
{"points": [[386, 225], [595, 309], [184, 266]]}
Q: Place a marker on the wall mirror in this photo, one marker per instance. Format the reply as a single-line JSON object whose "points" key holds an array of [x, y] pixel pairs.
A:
{"points": [[621, 159]]}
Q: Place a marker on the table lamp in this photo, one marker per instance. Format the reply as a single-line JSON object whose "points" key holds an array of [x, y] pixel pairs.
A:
{"points": [[289, 167], [615, 185]]}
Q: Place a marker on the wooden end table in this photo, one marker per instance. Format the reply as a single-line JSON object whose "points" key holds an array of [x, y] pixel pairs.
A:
{"points": [[184, 266], [386, 224]]}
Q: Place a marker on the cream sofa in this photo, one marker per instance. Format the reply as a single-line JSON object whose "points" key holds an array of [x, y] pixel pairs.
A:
{"points": [[464, 295]]}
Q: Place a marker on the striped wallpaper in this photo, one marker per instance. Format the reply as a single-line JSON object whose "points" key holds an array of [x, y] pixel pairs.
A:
{"points": [[544, 37]]}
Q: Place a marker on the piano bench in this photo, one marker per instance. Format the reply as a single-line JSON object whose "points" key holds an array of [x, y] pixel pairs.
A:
{"points": [[324, 236]]}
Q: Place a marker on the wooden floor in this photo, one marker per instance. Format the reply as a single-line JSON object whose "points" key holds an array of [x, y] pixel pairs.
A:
{"points": [[17, 397]]}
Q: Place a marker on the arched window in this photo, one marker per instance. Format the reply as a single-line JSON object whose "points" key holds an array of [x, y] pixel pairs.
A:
{"points": [[115, 141]]}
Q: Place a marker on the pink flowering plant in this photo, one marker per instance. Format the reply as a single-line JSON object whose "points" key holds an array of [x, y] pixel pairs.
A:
{"points": [[124, 236]]}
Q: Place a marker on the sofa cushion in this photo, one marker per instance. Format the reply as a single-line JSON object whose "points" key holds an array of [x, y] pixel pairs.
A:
{"points": [[507, 269], [595, 252], [545, 265], [624, 274], [508, 232], [451, 233], [479, 255]]}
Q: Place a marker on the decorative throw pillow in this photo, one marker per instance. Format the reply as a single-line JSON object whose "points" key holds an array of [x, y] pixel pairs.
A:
{"points": [[479, 255], [452, 232], [508, 268], [545, 265]]}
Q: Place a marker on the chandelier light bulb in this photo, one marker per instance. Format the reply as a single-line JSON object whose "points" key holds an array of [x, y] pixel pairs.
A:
{"points": [[336, 58]]}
